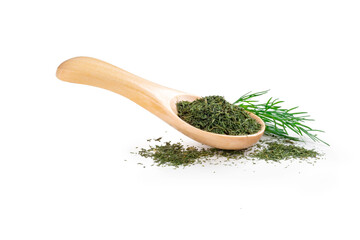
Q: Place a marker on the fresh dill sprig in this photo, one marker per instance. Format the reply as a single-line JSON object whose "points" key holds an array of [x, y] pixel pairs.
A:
{"points": [[279, 120]]}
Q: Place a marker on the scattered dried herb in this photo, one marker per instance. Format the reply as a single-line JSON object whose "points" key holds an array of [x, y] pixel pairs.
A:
{"points": [[215, 114], [279, 151], [273, 149], [174, 154]]}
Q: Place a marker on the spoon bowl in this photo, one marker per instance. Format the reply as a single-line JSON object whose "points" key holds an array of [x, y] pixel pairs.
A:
{"points": [[159, 100]]}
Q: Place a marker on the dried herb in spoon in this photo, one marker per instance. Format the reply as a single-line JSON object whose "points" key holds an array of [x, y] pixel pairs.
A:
{"points": [[215, 114]]}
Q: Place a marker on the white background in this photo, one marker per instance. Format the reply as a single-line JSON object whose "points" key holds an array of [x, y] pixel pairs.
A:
{"points": [[63, 146]]}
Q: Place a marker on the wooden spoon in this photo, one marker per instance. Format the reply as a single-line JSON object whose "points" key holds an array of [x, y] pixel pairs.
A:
{"points": [[155, 98]]}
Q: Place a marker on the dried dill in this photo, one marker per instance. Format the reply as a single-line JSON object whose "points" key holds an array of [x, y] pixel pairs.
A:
{"points": [[279, 151], [176, 154], [215, 114]]}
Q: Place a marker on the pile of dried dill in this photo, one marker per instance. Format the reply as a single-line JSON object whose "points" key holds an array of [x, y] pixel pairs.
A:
{"points": [[273, 149], [215, 114]]}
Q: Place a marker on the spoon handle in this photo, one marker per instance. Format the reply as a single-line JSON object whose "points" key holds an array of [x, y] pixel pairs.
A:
{"points": [[94, 72]]}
